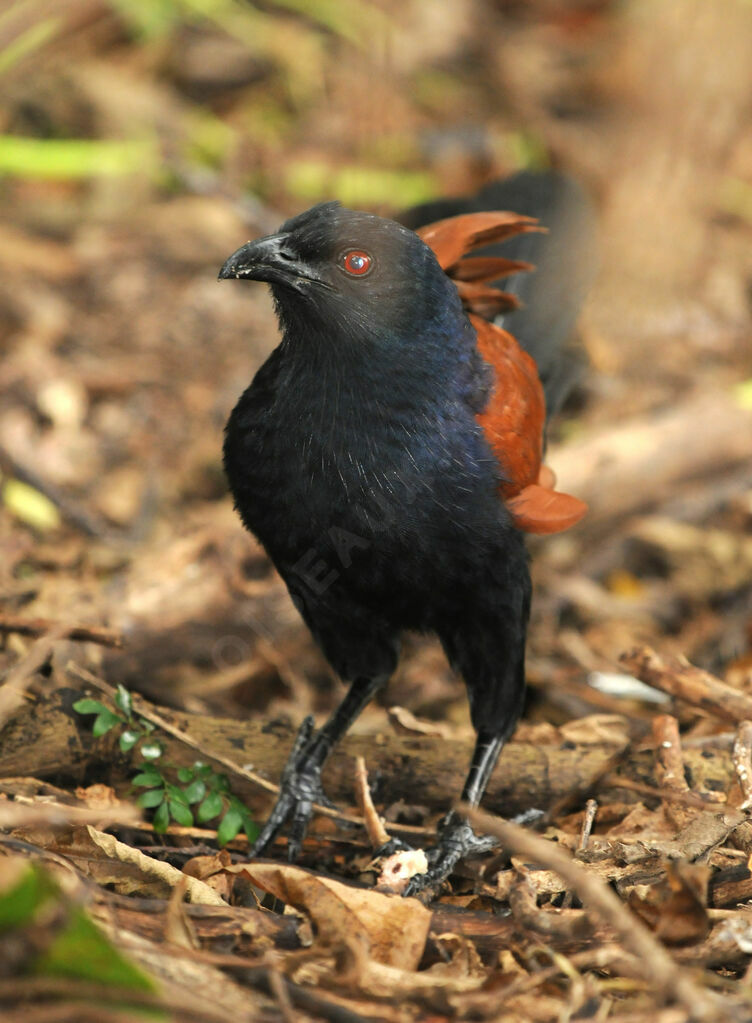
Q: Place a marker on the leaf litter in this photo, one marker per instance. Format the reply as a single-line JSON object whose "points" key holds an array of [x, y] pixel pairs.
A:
{"points": [[123, 562]]}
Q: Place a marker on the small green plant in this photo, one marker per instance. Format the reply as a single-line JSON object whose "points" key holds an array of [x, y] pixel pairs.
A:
{"points": [[134, 728], [170, 791]]}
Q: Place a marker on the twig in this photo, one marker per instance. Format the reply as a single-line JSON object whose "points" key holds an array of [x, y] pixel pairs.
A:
{"points": [[677, 677], [20, 676], [588, 818], [377, 833], [23, 814], [671, 979], [281, 994], [742, 758], [669, 767], [41, 626], [607, 957], [665, 795], [591, 808]]}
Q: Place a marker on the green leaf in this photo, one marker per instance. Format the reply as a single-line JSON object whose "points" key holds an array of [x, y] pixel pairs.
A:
{"points": [[152, 750], [80, 950], [87, 706], [181, 814], [148, 779], [185, 774], [221, 783], [176, 794], [195, 791], [211, 807], [151, 798], [251, 829], [123, 700], [229, 826], [161, 818], [146, 726], [104, 722], [128, 740]]}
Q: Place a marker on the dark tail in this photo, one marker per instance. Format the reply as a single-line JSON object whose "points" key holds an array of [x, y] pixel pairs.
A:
{"points": [[565, 261]]}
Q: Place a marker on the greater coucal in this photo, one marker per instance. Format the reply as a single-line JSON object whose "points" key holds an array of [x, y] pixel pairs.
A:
{"points": [[388, 454]]}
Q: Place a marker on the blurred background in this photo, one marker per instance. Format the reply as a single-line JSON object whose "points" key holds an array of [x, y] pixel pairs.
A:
{"points": [[142, 141]]}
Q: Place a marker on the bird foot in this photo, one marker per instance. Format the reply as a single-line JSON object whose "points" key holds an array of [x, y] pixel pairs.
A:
{"points": [[299, 789], [456, 841], [394, 845]]}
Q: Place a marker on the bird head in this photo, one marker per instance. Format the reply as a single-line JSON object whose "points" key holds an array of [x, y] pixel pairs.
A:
{"points": [[347, 269]]}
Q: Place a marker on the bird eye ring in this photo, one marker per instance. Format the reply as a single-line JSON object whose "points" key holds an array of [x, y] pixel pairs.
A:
{"points": [[356, 262]]}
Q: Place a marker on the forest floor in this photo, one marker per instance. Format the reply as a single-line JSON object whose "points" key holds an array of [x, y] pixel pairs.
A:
{"points": [[127, 579]]}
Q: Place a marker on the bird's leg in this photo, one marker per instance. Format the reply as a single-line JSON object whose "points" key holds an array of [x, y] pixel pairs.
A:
{"points": [[456, 838], [300, 785]]}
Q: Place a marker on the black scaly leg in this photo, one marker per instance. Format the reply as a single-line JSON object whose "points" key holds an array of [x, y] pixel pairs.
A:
{"points": [[485, 755], [456, 838], [487, 646], [300, 785]]}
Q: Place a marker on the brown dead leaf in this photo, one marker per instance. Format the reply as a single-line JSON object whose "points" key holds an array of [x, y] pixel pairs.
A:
{"points": [[462, 957], [641, 822], [675, 907], [390, 929], [179, 929], [198, 891], [98, 797], [204, 867], [211, 870]]}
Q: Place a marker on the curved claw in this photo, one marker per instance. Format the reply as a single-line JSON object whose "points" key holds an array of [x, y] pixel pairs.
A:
{"points": [[456, 841], [394, 845], [299, 789]]}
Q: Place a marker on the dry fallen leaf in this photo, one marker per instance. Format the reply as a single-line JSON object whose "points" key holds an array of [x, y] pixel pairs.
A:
{"points": [[198, 891], [392, 930], [675, 907], [98, 797]]}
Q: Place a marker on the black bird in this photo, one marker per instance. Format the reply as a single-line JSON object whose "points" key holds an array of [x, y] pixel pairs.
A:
{"points": [[388, 452]]}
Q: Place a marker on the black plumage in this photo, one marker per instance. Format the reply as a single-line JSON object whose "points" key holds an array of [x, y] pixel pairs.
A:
{"points": [[356, 458]]}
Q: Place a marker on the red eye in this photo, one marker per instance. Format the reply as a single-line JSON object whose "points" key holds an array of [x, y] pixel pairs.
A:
{"points": [[357, 262]]}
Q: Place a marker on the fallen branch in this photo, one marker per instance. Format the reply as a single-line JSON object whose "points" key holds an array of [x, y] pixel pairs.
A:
{"points": [[35, 813], [42, 626], [682, 680], [637, 466], [428, 769]]}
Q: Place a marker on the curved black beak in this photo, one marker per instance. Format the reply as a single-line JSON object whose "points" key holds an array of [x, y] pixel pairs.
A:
{"points": [[271, 259], [257, 260]]}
